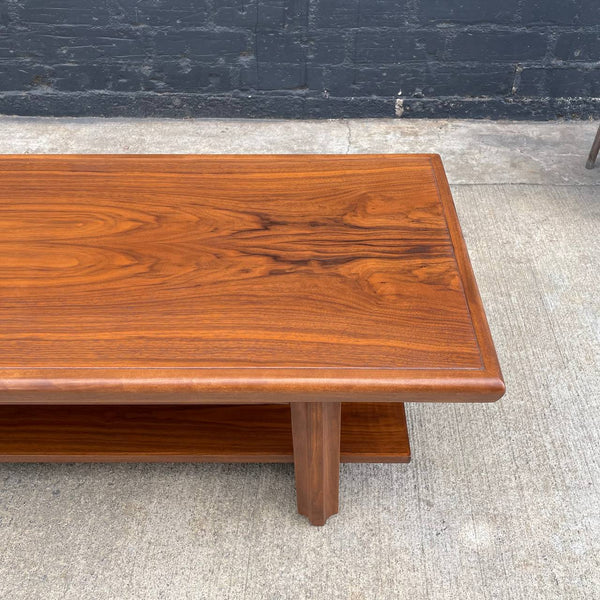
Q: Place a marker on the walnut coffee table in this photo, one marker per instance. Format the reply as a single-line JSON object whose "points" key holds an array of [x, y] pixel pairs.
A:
{"points": [[233, 308]]}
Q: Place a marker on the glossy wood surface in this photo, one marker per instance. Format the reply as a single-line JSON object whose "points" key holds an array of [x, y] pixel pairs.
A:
{"points": [[128, 279], [371, 432], [316, 428]]}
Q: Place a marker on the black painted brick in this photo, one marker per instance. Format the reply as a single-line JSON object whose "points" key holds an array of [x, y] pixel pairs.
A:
{"points": [[281, 105], [234, 13], [398, 45], [439, 80], [494, 45], [185, 13], [336, 81], [336, 14], [480, 11], [301, 58], [561, 82], [73, 12], [27, 78], [202, 45], [330, 48], [578, 47], [282, 14], [384, 13], [278, 76], [178, 76], [4, 15], [561, 12], [79, 44], [281, 47]]}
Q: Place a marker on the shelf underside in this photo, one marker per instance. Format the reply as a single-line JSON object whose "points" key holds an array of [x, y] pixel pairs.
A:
{"points": [[371, 432]]}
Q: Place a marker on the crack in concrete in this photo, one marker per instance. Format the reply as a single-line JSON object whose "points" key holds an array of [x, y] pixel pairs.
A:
{"points": [[475, 152], [349, 138]]}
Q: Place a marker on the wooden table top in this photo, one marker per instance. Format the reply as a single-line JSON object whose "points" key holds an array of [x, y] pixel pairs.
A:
{"points": [[240, 278]]}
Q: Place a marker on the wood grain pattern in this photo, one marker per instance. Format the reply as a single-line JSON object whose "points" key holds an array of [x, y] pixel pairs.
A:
{"points": [[371, 432], [236, 278], [316, 428]]}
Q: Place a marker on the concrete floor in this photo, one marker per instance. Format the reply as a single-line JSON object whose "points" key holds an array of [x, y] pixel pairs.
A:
{"points": [[501, 501], [473, 151]]}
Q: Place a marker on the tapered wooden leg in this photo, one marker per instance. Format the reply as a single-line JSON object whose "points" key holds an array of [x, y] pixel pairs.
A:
{"points": [[594, 151], [316, 434]]}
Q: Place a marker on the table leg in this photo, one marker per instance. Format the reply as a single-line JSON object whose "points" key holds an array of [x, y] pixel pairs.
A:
{"points": [[316, 435], [594, 151]]}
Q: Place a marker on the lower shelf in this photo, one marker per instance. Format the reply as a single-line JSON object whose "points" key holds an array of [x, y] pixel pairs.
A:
{"points": [[371, 432]]}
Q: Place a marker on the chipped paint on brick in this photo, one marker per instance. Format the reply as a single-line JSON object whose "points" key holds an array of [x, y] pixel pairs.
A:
{"points": [[399, 107], [299, 59]]}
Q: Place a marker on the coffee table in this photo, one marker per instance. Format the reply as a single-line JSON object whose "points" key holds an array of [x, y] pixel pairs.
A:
{"points": [[233, 308]]}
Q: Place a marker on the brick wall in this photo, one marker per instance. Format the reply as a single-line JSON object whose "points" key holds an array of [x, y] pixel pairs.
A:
{"points": [[301, 58]]}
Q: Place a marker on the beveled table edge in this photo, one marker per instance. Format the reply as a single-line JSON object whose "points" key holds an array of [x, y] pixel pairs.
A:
{"points": [[261, 384]]}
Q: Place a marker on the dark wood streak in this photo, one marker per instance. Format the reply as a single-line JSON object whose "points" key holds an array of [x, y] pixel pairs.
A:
{"points": [[333, 265]]}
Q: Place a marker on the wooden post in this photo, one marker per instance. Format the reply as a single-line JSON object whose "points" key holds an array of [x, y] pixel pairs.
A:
{"points": [[594, 151], [316, 434]]}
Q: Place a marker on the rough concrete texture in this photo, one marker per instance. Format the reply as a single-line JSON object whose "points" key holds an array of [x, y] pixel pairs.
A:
{"points": [[473, 151], [500, 502]]}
